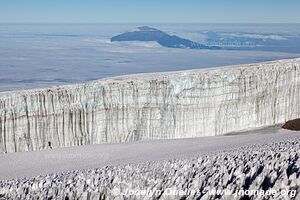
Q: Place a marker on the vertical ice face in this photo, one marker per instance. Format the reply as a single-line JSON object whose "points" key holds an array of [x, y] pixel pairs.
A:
{"points": [[151, 106]]}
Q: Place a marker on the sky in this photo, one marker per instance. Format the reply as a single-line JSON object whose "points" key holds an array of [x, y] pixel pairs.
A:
{"points": [[150, 11]]}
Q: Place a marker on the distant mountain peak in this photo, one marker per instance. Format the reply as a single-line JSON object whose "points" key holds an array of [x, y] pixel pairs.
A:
{"points": [[147, 28], [146, 33]]}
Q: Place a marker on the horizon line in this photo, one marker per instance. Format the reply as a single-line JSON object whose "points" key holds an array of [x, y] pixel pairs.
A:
{"points": [[149, 22]]}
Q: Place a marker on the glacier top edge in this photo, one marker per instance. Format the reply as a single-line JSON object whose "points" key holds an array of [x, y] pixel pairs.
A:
{"points": [[151, 76]]}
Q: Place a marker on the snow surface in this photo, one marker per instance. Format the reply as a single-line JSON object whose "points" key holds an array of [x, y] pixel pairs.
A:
{"points": [[29, 164], [257, 161]]}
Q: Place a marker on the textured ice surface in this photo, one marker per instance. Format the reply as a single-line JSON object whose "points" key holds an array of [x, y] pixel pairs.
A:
{"points": [[271, 166], [181, 104]]}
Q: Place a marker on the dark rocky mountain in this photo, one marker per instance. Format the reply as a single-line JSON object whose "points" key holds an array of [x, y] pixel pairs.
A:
{"points": [[146, 33]]}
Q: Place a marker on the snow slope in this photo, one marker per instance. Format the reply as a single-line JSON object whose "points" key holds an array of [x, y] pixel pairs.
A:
{"points": [[260, 162], [29, 164]]}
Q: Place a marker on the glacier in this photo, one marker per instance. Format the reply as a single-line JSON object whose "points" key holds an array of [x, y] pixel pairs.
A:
{"points": [[271, 166], [182, 104]]}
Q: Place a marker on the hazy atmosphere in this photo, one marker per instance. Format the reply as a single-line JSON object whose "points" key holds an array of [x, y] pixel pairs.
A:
{"points": [[152, 100], [60, 42], [38, 55]]}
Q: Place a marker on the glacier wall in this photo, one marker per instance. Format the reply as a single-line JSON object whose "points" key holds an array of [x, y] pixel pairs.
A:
{"points": [[183, 104]]}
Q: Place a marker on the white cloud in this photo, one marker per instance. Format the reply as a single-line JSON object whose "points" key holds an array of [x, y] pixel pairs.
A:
{"points": [[257, 36]]}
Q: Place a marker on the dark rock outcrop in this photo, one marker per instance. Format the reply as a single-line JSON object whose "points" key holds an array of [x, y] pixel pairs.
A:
{"points": [[293, 125]]}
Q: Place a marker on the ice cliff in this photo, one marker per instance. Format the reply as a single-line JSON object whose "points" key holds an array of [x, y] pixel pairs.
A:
{"points": [[183, 104]]}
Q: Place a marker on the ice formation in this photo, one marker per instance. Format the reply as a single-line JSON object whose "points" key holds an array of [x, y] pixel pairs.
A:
{"points": [[181, 104], [272, 170]]}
